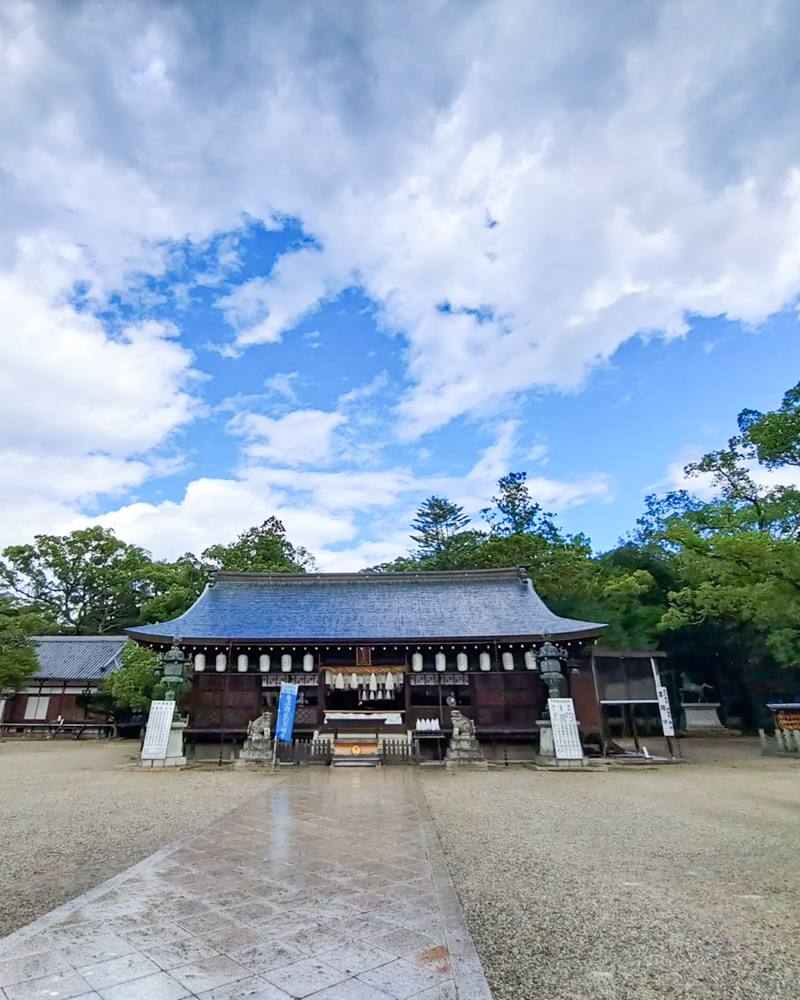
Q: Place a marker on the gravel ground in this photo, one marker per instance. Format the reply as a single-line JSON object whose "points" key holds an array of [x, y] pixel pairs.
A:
{"points": [[72, 815], [678, 882]]}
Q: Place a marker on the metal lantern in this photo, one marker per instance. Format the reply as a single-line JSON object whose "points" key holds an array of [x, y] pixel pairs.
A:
{"points": [[550, 659], [171, 669]]}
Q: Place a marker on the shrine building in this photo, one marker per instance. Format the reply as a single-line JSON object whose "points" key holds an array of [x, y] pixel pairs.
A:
{"points": [[392, 652]]}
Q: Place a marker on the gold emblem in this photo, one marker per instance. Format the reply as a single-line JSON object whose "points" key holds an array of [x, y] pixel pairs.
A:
{"points": [[355, 749]]}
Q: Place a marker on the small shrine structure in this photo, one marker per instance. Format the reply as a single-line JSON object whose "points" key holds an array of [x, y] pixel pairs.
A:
{"points": [[389, 654]]}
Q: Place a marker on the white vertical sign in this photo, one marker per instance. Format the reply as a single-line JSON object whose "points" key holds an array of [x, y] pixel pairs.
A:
{"points": [[156, 736], [566, 738], [665, 711]]}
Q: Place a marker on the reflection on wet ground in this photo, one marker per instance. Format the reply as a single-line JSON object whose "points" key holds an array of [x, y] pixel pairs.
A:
{"points": [[331, 885]]}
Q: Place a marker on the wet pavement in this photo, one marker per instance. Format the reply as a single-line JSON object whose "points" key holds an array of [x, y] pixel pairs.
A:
{"points": [[330, 885]]}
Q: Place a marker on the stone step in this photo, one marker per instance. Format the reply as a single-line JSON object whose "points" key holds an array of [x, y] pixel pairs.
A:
{"points": [[364, 761]]}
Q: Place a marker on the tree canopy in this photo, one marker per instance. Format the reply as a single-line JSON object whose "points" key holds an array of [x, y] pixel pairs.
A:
{"points": [[262, 549]]}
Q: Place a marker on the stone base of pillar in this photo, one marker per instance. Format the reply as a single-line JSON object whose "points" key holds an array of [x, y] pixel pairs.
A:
{"points": [[255, 753], [465, 752], [546, 757], [175, 755], [547, 747]]}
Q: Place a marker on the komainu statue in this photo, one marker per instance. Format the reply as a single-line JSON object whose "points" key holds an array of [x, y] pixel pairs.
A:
{"points": [[258, 746], [463, 749], [260, 728], [462, 726]]}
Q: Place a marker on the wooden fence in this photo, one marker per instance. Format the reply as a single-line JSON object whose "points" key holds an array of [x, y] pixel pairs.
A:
{"points": [[304, 752], [399, 752], [320, 752]]}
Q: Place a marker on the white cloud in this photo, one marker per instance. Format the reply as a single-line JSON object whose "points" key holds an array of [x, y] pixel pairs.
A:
{"points": [[324, 510], [519, 187], [281, 383], [66, 387], [575, 174], [302, 437], [82, 413]]}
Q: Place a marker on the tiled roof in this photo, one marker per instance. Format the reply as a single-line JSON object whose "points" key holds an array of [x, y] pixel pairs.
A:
{"points": [[364, 606], [77, 657]]}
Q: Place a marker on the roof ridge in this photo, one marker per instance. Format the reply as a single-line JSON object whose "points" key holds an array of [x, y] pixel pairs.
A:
{"points": [[510, 573], [77, 638]]}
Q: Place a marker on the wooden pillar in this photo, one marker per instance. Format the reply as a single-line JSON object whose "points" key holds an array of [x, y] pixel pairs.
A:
{"points": [[322, 692]]}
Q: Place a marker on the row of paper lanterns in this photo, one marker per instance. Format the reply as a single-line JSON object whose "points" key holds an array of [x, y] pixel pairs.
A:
{"points": [[484, 661], [243, 662], [440, 662]]}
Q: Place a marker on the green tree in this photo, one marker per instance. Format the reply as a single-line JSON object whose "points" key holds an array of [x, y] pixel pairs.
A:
{"points": [[262, 549], [774, 437], [17, 654], [738, 554], [515, 512], [136, 683], [87, 582], [437, 523], [172, 587]]}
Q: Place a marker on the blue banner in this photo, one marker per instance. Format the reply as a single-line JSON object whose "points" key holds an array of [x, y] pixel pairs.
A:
{"points": [[286, 706]]}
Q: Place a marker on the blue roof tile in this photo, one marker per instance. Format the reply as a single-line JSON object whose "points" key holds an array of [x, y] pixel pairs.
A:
{"points": [[79, 657], [365, 606]]}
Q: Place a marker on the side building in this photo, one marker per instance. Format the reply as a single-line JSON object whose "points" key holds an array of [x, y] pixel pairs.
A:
{"points": [[395, 651], [70, 667]]}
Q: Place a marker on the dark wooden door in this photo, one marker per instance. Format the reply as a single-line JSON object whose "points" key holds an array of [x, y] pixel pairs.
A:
{"points": [[525, 698], [224, 701], [489, 700], [511, 701]]}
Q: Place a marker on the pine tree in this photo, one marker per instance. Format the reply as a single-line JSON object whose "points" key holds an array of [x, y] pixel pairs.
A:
{"points": [[437, 521]]}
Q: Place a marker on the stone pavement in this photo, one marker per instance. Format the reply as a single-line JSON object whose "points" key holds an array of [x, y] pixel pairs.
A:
{"points": [[330, 885]]}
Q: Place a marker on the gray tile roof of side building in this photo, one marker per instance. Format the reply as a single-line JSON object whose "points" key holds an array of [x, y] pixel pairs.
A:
{"points": [[304, 607], [77, 657]]}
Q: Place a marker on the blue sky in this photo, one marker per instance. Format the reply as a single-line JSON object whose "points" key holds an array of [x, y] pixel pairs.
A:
{"points": [[325, 262]]}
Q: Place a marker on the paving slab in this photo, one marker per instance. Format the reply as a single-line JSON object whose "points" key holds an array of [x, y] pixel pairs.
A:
{"points": [[329, 885]]}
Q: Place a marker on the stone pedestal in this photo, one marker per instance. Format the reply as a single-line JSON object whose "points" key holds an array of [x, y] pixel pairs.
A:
{"points": [[175, 755], [465, 751], [256, 752], [547, 747], [702, 717]]}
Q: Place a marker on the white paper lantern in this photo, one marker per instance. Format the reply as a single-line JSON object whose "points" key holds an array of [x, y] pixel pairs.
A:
{"points": [[200, 662], [530, 659], [222, 662], [441, 662], [286, 662], [461, 662], [308, 662], [485, 661], [263, 663], [416, 662], [242, 663], [508, 660]]}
